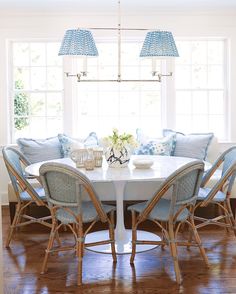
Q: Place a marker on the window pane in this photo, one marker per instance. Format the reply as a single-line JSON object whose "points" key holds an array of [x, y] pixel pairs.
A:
{"points": [[38, 54], [37, 104], [38, 127], [216, 102], [199, 52], [184, 123], [129, 103], [54, 78], [37, 89], [21, 54], [183, 102], [52, 54], [183, 76], [21, 78], [38, 78], [200, 102], [108, 103], [215, 76], [215, 52], [54, 126], [200, 74], [200, 123], [150, 103], [184, 50], [54, 104]]}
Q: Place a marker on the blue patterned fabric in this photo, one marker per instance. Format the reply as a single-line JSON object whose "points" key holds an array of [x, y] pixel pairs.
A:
{"points": [[78, 42], [154, 146], [68, 143], [40, 150], [159, 43], [192, 145]]}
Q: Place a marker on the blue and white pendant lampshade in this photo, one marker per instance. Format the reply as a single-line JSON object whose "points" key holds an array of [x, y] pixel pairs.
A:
{"points": [[79, 43], [159, 44]]}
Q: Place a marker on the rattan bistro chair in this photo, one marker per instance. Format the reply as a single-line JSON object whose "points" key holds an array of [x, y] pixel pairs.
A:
{"points": [[25, 193], [219, 194], [63, 185], [168, 215]]}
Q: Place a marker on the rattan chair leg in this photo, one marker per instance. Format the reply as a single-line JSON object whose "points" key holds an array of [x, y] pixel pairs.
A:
{"points": [[80, 247], [49, 247], [226, 218], [134, 237], [14, 223], [112, 236], [199, 242], [174, 254], [231, 218], [163, 235]]}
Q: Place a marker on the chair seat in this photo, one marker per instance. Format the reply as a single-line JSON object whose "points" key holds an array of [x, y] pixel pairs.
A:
{"points": [[203, 192], [26, 197], [160, 211], [88, 209]]}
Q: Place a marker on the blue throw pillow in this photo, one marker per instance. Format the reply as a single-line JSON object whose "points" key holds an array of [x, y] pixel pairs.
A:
{"points": [[154, 146], [68, 144], [40, 150], [192, 145]]}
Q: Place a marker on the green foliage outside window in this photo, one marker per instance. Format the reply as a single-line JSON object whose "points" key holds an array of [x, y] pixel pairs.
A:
{"points": [[21, 107]]}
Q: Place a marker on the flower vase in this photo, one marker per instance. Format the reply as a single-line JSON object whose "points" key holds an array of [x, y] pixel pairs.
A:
{"points": [[117, 157]]}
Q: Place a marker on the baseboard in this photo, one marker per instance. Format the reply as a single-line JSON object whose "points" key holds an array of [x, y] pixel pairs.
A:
{"points": [[4, 198]]}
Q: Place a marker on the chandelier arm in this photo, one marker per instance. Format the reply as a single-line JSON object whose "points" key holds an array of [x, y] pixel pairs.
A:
{"points": [[122, 29]]}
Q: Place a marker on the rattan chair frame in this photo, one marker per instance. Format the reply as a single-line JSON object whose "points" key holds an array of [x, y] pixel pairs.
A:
{"points": [[171, 227], [21, 184], [225, 217], [76, 227]]}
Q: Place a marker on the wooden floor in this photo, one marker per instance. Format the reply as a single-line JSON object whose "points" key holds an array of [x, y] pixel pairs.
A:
{"points": [[153, 271]]}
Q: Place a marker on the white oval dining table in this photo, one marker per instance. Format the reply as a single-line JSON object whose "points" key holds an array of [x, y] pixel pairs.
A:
{"points": [[162, 167]]}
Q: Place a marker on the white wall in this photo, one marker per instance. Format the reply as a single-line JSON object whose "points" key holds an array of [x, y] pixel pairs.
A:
{"points": [[53, 27]]}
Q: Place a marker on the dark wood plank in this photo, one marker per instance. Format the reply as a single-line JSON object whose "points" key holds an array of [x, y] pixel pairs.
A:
{"points": [[153, 271]]}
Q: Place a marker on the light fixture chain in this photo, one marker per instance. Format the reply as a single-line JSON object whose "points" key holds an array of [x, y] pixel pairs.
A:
{"points": [[119, 42]]}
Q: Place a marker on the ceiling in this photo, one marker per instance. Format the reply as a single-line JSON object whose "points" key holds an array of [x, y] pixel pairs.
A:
{"points": [[110, 6]]}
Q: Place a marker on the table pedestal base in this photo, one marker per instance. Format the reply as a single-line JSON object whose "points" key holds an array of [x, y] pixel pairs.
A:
{"points": [[122, 247]]}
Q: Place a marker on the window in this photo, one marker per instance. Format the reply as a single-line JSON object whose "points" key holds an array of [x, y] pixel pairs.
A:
{"points": [[198, 103], [36, 90], [201, 87], [127, 105]]}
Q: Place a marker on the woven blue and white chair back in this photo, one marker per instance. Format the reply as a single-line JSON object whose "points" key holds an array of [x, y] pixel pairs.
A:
{"points": [[229, 161], [14, 160], [185, 183], [63, 186]]}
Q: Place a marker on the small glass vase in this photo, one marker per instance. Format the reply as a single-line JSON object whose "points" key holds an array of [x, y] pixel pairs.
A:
{"points": [[117, 157]]}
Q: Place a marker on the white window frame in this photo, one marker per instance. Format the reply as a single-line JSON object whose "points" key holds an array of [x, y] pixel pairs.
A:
{"points": [[12, 91], [226, 114]]}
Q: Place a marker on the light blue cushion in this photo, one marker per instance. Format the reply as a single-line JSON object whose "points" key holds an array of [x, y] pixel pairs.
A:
{"points": [[161, 210], [40, 150], [68, 143], [203, 193], [24, 196], [89, 213], [192, 145]]}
